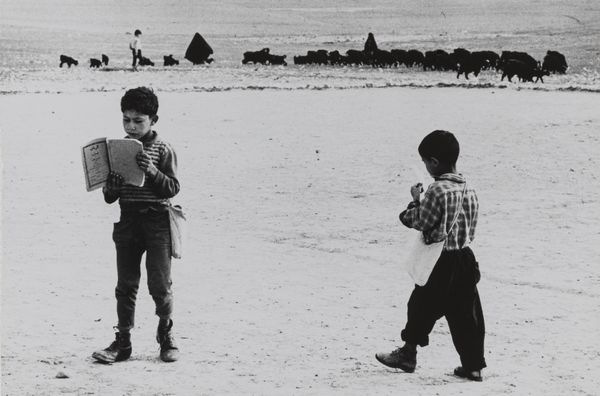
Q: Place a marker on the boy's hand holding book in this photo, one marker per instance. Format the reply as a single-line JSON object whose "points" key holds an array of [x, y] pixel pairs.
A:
{"points": [[145, 163], [112, 188]]}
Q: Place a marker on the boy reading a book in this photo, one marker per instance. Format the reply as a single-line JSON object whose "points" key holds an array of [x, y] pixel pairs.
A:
{"points": [[451, 289], [143, 227]]}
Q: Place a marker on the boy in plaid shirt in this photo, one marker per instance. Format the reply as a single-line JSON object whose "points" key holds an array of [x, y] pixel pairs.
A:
{"points": [[451, 289]]}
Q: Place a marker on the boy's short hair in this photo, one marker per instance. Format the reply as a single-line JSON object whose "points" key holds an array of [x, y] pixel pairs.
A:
{"points": [[442, 145], [137, 32], [141, 99]]}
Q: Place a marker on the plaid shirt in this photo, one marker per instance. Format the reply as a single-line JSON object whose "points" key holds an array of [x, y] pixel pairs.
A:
{"points": [[435, 213]]}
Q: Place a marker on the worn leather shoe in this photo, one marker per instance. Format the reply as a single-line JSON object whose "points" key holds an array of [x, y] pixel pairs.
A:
{"points": [[118, 350], [402, 358], [168, 350], [470, 375]]}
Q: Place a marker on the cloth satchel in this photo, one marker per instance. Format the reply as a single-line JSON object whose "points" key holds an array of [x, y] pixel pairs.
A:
{"points": [[422, 257], [177, 224]]}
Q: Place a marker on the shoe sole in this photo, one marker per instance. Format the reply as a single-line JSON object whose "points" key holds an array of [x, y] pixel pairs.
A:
{"points": [[405, 368], [466, 375], [102, 359]]}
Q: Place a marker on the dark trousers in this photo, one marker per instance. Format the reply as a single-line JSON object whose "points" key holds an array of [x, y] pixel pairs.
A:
{"points": [[451, 291], [137, 55], [135, 234]]}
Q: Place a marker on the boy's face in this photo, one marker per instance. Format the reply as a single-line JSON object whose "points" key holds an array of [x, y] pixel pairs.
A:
{"points": [[432, 166], [136, 124]]}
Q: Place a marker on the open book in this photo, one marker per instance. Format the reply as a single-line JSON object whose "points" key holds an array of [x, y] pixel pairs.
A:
{"points": [[102, 155]]}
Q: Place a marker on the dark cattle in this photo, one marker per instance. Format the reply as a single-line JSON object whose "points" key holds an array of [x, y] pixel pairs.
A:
{"points": [[261, 56], [515, 55], [105, 59], [95, 62], [399, 56], [437, 60], [318, 57], [168, 60], [334, 57], [301, 60], [145, 61], [382, 58], [414, 58], [489, 59], [470, 64], [277, 60], [524, 71], [68, 60], [555, 62], [355, 57]]}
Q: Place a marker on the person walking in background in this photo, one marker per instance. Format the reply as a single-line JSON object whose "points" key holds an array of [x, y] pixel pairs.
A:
{"points": [[136, 48], [448, 211]]}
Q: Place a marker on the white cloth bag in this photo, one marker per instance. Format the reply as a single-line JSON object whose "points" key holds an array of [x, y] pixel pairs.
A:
{"points": [[422, 257]]}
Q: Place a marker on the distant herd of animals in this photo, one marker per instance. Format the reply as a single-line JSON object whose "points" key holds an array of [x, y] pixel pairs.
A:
{"points": [[461, 61]]}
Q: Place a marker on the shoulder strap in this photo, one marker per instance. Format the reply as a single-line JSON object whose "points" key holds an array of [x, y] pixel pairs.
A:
{"points": [[460, 208]]}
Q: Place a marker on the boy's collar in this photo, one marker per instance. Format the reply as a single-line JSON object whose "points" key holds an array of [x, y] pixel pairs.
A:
{"points": [[454, 177]]}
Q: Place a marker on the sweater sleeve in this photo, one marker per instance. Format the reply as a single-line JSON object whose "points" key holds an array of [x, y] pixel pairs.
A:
{"points": [[165, 183]]}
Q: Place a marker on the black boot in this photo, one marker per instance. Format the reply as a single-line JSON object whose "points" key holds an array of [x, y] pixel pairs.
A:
{"points": [[168, 350], [119, 350]]}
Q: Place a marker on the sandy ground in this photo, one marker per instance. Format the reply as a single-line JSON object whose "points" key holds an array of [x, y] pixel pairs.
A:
{"points": [[291, 279]]}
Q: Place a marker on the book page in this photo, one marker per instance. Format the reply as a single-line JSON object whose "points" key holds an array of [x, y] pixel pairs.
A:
{"points": [[95, 163], [122, 153]]}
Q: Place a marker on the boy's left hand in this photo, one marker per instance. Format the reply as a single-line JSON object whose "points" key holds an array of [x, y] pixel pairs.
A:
{"points": [[145, 162], [416, 191]]}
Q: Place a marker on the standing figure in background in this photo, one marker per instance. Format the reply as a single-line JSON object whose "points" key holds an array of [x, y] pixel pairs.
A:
{"points": [[370, 47], [136, 48]]}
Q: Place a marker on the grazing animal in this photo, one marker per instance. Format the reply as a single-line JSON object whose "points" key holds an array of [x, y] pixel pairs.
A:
{"points": [[399, 56], [168, 60], [471, 63], [96, 63], [105, 59], [555, 62], [261, 56], [301, 60], [414, 58], [382, 58], [489, 59], [277, 60], [437, 60], [318, 57], [355, 57], [334, 57], [145, 61], [68, 60], [524, 71], [515, 55]]}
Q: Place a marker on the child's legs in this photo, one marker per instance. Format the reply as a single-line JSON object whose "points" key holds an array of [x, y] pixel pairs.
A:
{"points": [[467, 328], [135, 57], [158, 266], [128, 272], [424, 309], [157, 235], [464, 314], [427, 304]]}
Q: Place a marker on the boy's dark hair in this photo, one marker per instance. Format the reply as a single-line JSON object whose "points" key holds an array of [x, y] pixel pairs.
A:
{"points": [[141, 99], [441, 145], [137, 32]]}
